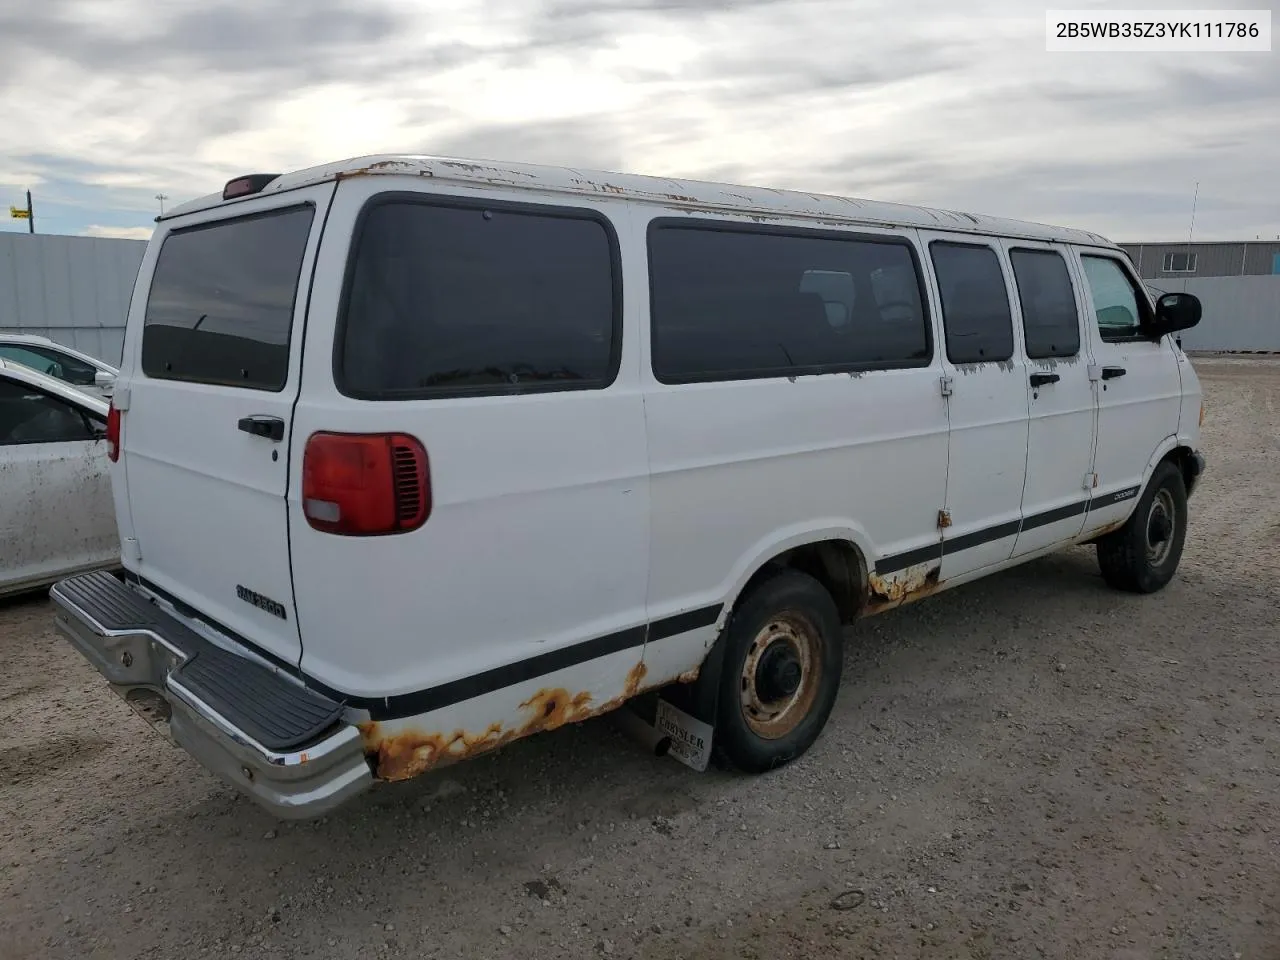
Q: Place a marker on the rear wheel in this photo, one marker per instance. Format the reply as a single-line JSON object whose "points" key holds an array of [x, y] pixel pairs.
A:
{"points": [[1143, 555], [780, 674]]}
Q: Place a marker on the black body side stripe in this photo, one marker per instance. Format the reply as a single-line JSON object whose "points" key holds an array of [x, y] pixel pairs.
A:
{"points": [[507, 675], [900, 561], [1054, 515], [977, 538], [1111, 499], [464, 688], [467, 688]]}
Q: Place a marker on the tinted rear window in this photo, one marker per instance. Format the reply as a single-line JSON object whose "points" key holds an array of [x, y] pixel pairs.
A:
{"points": [[736, 303], [222, 297], [447, 297]]}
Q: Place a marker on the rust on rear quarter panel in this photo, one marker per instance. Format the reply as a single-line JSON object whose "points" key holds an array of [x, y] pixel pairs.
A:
{"points": [[406, 753]]}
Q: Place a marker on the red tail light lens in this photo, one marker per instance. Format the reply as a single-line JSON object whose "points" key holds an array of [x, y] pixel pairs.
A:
{"points": [[113, 433], [365, 484]]}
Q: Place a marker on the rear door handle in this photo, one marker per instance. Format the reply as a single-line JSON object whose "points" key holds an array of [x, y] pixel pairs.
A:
{"points": [[1110, 373], [263, 426], [1040, 379]]}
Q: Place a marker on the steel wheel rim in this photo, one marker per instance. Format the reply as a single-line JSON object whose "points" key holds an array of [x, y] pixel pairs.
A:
{"points": [[1161, 523], [786, 638]]}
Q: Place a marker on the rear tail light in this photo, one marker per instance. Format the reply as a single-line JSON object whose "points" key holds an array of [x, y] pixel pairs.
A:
{"points": [[365, 484], [113, 433]]}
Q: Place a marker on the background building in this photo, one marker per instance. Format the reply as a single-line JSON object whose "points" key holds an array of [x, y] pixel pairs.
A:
{"points": [[1174, 261], [75, 290]]}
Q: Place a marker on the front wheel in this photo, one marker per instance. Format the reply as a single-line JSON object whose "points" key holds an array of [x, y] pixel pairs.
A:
{"points": [[1143, 555], [780, 674]]}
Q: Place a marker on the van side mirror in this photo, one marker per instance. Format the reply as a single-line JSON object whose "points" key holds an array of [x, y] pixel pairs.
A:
{"points": [[1174, 312]]}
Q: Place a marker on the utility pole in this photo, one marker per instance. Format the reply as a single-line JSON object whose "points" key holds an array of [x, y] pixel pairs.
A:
{"points": [[162, 197]]}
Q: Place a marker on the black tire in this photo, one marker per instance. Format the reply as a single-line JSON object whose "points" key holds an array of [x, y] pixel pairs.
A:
{"points": [[788, 618], [1143, 555]]}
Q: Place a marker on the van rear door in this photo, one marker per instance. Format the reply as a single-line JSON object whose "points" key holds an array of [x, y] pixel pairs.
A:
{"points": [[214, 355]]}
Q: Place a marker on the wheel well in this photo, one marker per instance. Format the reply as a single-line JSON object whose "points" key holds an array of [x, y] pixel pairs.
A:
{"points": [[1183, 459], [836, 564]]}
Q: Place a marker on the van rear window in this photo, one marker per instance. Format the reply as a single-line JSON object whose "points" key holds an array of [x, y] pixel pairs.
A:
{"points": [[450, 297], [222, 298]]}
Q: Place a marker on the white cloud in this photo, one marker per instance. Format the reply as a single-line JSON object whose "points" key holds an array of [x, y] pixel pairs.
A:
{"points": [[119, 233], [912, 103], [19, 178]]}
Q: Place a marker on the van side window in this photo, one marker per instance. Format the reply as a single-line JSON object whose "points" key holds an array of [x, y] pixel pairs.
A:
{"points": [[731, 303], [1115, 302], [975, 302], [459, 297], [1050, 319]]}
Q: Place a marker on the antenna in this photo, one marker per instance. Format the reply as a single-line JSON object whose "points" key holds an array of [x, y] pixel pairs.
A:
{"points": [[1191, 232]]}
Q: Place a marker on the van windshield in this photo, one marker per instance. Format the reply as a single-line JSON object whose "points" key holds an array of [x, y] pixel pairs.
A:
{"points": [[222, 299]]}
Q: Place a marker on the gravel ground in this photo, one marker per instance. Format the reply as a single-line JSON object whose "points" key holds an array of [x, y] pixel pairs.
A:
{"points": [[1028, 766]]}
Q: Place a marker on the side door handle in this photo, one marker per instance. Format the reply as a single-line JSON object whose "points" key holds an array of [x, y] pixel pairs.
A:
{"points": [[259, 425], [1110, 373], [1040, 379]]}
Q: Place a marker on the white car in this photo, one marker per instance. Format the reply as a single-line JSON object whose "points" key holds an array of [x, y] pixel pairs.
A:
{"points": [[86, 373], [416, 456], [56, 513]]}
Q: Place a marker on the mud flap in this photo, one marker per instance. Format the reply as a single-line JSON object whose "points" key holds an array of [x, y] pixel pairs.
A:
{"points": [[686, 712], [688, 739]]}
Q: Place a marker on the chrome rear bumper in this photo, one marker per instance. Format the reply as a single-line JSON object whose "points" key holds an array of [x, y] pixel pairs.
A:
{"points": [[284, 745]]}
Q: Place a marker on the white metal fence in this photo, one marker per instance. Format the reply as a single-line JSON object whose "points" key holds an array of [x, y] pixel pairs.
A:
{"points": [[74, 290], [1240, 313]]}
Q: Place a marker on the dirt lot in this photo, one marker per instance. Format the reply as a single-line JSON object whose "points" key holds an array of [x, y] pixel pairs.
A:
{"points": [[1028, 766]]}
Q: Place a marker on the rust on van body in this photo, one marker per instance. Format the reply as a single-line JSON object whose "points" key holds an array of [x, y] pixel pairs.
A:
{"points": [[1103, 530], [406, 753], [884, 592]]}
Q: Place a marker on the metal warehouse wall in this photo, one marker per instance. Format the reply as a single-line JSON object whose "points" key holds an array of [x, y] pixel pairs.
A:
{"points": [[1252, 258], [1240, 313], [74, 290]]}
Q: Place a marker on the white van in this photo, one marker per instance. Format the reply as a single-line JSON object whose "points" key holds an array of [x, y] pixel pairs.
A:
{"points": [[414, 457]]}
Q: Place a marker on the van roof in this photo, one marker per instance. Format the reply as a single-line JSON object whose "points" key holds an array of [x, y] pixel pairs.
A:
{"points": [[690, 195]]}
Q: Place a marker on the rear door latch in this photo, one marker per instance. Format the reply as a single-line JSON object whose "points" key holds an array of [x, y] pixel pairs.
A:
{"points": [[260, 425]]}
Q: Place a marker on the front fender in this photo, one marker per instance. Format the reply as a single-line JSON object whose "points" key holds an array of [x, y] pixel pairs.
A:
{"points": [[1192, 473]]}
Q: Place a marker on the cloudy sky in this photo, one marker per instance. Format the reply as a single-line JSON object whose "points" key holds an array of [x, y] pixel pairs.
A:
{"points": [[106, 103]]}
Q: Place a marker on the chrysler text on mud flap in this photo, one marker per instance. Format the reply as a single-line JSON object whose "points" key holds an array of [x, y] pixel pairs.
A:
{"points": [[414, 457]]}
